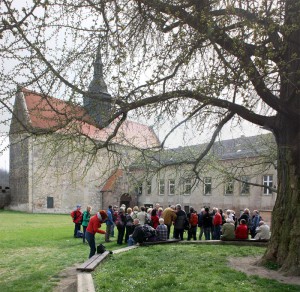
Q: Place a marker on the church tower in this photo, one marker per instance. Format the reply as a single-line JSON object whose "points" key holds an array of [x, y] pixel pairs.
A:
{"points": [[98, 101]]}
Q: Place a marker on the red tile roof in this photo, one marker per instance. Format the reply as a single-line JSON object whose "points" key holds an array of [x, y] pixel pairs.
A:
{"points": [[110, 183], [48, 113]]}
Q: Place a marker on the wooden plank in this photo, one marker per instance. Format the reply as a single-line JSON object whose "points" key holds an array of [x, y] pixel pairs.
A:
{"points": [[96, 262], [86, 263], [227, 242], [85, 283], [125, 249], [93, 262], [173, 240]]}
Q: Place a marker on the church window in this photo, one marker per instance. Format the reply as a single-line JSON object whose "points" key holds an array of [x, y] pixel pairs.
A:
{"points": [[161, 187], [245, 187], [187, 186], [267, 182], [229, 187], [171, 187], [149, 189], [207, 186]]}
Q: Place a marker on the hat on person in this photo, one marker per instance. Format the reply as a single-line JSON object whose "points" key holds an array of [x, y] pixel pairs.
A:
{"points": [[78, 206], [103, 215]]}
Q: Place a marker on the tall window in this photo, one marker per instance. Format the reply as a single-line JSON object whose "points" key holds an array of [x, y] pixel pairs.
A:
{"points": [[187, 186], [245, 187], [139, 189], [267, 182], [50, 202], [162, 187], [207, 186], [171, 187], [149, 190], [229, 187]]}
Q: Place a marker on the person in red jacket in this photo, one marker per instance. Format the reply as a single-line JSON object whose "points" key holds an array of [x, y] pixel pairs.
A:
{"points": [[217, 223], [241, 231], [77, 219], [93, 228]]}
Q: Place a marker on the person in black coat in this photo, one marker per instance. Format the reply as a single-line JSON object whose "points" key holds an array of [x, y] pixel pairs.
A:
{"points": [[207, 223], [180, 222]]}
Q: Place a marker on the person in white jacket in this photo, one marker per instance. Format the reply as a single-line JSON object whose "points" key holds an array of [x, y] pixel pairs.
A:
{"points": [[262, 231]]}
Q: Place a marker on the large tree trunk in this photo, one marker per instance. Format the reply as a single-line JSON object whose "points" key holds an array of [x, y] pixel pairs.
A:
{"points": [[284, 248]]}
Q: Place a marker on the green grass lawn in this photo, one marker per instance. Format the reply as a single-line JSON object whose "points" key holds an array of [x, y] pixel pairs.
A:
{"points": [[182, 268], [35, 248]]}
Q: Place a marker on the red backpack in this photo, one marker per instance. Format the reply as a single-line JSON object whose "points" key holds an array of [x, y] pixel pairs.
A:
{"points": [[194, 219]]}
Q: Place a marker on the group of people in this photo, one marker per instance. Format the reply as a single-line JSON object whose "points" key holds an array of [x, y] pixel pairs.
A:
{"points": [[128, 220], [217, 225], [136, 225]]}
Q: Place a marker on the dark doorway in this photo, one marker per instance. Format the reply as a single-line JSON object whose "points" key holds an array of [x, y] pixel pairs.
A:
{"points": [[187, 209], [126, 200]]}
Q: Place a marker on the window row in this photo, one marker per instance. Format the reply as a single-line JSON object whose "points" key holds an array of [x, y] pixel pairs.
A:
{"points": [[267, 182]]}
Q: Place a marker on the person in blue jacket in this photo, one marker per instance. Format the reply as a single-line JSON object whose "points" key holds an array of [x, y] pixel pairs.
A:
{"points": [[109, 223]]}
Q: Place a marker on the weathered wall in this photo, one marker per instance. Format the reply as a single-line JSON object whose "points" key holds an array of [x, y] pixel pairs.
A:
{"points": [[19, 175], [62, 169], [255, 199]]}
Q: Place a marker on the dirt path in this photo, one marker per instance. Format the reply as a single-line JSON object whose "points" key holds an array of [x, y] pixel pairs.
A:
{"points": [[68, 280], [248, 266]]}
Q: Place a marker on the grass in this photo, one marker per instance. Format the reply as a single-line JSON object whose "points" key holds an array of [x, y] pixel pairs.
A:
{"points": [[35, 248], [181, 268]]}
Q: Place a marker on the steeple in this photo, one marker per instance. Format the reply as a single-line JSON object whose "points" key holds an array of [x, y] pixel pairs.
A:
{"points": [[98, 102], [98, 85]]}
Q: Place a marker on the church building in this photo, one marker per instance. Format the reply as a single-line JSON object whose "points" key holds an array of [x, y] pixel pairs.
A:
{"points": [[59, 158]]}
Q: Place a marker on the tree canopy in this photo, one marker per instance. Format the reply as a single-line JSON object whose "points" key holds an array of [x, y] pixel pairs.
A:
{"points": [[214, 62]]}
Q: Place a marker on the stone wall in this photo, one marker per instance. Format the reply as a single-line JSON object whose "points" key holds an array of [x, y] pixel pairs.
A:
{"points": [[237, 201], [18, 175]]}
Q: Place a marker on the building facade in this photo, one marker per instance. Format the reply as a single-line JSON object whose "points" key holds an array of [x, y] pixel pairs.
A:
{"points": [[239, 173], [58, 159]]}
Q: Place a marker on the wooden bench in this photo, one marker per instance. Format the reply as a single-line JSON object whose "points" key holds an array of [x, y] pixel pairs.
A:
{"points": [[173, 240], [240, 242], [93, 262]]}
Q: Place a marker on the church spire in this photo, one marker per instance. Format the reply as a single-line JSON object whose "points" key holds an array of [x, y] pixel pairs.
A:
{"points": [[98, 85], [98, 102]]}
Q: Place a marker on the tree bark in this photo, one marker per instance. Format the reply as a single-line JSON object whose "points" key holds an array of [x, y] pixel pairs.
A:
{"points": [[284, 247]]}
